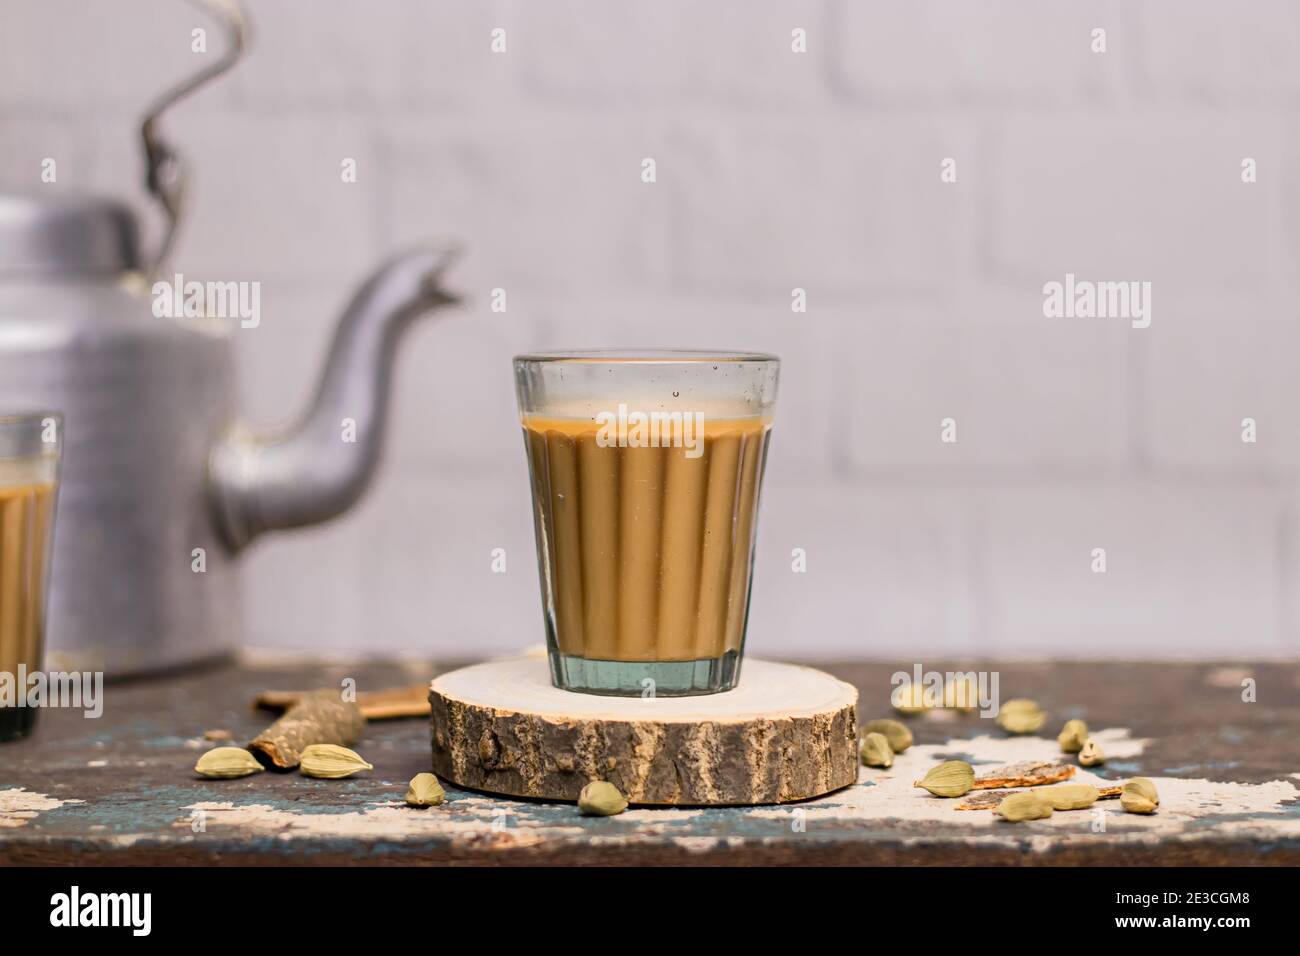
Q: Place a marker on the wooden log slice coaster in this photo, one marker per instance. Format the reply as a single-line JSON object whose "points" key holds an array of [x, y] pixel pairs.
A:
{"points": [[785, 733]]}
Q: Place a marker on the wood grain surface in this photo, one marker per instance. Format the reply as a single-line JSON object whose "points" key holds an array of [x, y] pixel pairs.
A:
{"points": [[121, 789], [786, 733]]}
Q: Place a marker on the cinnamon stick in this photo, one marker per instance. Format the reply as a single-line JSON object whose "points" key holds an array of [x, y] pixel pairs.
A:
{"points": [[318, 717], [1028, 773], [385, 704]]}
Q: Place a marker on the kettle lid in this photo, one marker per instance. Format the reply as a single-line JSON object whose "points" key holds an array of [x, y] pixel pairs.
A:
{"points": [[66, 235]]}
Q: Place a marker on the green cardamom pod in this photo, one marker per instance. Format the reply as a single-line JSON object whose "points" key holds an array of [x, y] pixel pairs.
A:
{"points": [[1023, 806], [1021, 716], [1090, 755], [226, 763], [1143, 786], [1072, 736], [875, 751], [425, 791], [1136, 803], [909, 699], [1139, 796], [1070, 796], [1020, 703], [952, 778], [601, 799], [899, 737], [961, 693], [331, 762]]}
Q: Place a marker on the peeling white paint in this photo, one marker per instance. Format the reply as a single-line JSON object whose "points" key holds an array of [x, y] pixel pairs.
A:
{"points": [[697, 844], [660, 816], [19, 806], [1227, 677], [1116, 743], [393, 820], [885, 797], [126, 840], [883, 800]]}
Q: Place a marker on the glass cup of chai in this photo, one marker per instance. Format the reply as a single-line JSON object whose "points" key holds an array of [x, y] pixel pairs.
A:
{"points": [[30, 451], [646, 468]]}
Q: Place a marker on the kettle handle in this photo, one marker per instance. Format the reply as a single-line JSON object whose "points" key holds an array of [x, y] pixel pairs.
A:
{"points": [[167, 174]]}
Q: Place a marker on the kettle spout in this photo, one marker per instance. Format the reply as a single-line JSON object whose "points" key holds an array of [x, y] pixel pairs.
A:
{"points": [[317, 468]]}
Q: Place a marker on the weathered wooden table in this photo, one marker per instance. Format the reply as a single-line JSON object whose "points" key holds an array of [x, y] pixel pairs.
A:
{"points": [[120, 789]]}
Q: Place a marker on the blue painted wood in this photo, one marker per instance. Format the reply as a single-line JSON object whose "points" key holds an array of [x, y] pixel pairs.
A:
{"points": [[121, 789]]}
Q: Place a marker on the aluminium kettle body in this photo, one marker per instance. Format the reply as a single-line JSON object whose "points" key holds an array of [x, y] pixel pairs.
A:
{"points": [[142, 402], [161, 486]]}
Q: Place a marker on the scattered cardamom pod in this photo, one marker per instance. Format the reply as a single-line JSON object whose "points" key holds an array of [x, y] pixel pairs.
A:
{"points": [[601, 799], [961, 693], [1143, 786], [952, 778], [425, 791], [1136, 803], [1021, 716], [1070, 796], [331, 762], [875, 751], [1091, 755], [1139, 796], [899, 737], [909, 699], [226, 763], [1026, 805], [1072, 736]]}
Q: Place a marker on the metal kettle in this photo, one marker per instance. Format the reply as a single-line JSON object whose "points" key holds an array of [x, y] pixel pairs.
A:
{"points": [[161, 487]]}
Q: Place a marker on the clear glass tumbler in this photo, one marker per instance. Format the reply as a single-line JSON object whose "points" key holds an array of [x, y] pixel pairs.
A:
{"points": [[30, 449], [646, 468]]}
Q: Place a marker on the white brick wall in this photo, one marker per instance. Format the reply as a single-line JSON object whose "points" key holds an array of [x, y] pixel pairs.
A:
{"points": [[1144, 193], [1197, 51], [546, 203], [1028, 395], [775, 170], [1191, 569], [773, 203], [1025, 52]]}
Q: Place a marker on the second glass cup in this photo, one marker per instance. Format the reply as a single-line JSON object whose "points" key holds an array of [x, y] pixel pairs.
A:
{"points": [[30, 447], [646, 468]]}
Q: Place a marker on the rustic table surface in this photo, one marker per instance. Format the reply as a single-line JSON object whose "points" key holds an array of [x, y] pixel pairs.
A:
{"points": [[120, 789]]}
